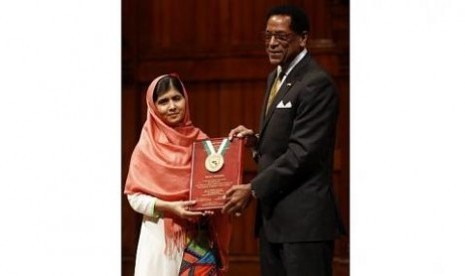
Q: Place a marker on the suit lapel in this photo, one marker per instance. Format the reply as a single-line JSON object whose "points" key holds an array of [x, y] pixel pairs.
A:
{"points": [[281, 93]]}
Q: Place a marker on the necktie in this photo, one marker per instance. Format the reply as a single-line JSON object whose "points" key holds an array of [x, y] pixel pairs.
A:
{"points": [[274, 90]]}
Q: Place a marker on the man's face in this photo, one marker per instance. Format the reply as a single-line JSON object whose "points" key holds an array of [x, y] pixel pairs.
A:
{"points": [[282, 44]]}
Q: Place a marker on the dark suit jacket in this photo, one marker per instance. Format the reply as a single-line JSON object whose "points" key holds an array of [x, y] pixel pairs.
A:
{"points": [[295, 158]]}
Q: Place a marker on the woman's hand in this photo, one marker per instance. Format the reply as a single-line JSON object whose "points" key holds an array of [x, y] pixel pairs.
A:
{"points": [[181, 209]]}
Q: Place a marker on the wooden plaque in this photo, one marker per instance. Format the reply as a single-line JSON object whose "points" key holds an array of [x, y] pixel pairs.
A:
{"points": [[216, 167]]}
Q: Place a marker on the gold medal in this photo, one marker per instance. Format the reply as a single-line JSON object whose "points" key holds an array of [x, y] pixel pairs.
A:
{"points": [[214, 162]]}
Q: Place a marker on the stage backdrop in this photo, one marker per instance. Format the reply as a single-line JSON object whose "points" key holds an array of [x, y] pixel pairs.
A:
{"points": [[216, 48]]}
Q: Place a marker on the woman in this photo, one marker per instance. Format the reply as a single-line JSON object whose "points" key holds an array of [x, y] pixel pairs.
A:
{"points": [[173, 240]]}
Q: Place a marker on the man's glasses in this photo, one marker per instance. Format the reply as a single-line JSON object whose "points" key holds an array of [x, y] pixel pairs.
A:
{"points": [[280, 37]]}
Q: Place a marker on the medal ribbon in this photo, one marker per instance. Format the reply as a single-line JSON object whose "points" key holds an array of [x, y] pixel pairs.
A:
{"points": [[208, 145]]}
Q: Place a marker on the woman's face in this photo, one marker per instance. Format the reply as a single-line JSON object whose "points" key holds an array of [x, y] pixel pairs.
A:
{"points": [[171, 107]]}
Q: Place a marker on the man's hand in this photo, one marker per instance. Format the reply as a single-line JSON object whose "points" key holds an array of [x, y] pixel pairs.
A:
{"points": [[237, 199], [243, 132]]}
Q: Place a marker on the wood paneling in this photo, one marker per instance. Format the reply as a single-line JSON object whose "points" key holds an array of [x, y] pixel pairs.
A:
{"points": [[216, 48]]}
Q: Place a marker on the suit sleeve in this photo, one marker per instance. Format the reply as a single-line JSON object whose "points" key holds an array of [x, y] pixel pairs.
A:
{"points": [[310, 140]]}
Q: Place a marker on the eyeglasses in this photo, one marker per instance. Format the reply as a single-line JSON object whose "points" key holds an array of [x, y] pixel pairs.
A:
{"points": [[280, 37]]}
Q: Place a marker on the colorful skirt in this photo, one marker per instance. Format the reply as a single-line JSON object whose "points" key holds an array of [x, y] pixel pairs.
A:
{"points": [[199, 258]]}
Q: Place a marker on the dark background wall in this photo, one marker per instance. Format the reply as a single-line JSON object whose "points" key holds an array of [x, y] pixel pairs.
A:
{"points": [[216, 48]]}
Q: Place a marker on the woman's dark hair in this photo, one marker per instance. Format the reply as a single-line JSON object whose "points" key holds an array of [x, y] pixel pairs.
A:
{"points": [[299, 19], [166, 83]]}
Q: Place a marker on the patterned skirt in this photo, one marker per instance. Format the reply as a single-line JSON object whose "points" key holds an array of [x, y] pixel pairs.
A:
{"points": [[199, 258]]}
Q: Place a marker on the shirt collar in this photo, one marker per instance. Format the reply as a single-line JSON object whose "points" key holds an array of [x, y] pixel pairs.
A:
{"points": [[296, 60]]}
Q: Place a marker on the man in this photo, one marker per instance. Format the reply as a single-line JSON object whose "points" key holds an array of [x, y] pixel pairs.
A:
{"points": [[297, 219]]}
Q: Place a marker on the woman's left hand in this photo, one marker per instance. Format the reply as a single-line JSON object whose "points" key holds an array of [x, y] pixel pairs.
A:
{"points": [[181, 209]]}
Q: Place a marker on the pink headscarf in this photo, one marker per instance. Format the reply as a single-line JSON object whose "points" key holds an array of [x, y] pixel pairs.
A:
{"points": [[160, 166]]}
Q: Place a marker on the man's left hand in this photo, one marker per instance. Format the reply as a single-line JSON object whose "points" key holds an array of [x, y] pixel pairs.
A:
{"points": [[237, 199]]}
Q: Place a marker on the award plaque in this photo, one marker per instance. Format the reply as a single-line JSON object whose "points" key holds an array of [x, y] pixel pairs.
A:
{"points": [[216, 167]]}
